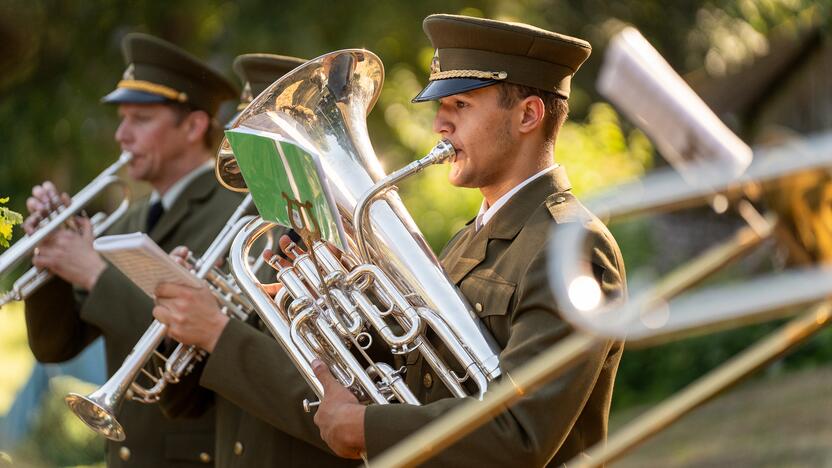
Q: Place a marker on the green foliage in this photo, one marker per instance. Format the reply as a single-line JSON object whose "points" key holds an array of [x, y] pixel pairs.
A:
{"points": [[8, 219], [599, 152]]}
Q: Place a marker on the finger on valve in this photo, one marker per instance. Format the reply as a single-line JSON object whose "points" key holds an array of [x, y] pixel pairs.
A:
{"points": [[274, 260], [290, 249], [180, 254]]}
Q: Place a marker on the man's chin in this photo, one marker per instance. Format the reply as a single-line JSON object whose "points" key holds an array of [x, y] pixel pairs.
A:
{"points": [[136, 173], [459, 181]]}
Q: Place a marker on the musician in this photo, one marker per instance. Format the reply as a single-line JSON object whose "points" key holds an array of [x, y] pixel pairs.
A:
{"points": [[167, 100], [244, 367], [502, 90]]}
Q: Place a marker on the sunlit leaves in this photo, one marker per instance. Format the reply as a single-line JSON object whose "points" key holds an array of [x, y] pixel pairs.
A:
{"points": [[598, 152], [8, 219]]}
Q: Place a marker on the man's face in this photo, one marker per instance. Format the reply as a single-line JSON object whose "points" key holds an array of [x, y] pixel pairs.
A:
{"points": [[154, 135], [482, 133]]}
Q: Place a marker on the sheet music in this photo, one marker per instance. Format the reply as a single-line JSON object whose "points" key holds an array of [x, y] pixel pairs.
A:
{"points": [[143, 261]]}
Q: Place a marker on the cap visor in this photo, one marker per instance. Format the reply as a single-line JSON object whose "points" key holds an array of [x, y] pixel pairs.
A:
{"points": [[131, 96], [442, 88]]}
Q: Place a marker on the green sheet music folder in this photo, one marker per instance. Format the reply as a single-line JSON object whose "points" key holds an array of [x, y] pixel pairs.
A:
{"points": [[283, 177]]}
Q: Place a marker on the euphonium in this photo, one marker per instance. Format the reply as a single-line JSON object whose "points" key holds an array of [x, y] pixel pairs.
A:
{"points": [[34, 278], [388, 285], [98, 410]]}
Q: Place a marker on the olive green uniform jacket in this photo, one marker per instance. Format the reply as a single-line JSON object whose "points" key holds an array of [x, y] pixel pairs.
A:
{"points": [[60, 325], [248, 370], [501, 270]]}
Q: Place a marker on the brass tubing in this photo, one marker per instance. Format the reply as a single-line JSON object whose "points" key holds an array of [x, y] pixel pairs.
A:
{"points": [[442, 432], [795, 332]]}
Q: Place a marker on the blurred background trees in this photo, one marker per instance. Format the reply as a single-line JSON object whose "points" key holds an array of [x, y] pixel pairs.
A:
{"points": [[59, 58]]}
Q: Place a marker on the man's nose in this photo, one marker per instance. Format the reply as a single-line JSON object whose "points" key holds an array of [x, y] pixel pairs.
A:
{"points": [[441, 123], [122, 133]]}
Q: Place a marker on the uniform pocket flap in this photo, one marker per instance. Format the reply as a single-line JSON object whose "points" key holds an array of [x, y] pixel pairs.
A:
{"points": [[488, 295]]}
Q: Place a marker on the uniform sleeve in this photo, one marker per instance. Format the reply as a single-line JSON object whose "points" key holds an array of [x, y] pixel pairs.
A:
{"points": [[106, 303], [250, 369], [53, 323], [533, 429]]}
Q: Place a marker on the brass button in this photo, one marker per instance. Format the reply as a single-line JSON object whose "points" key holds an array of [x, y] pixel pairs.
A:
{"points": [[427, 380], [478, 306], [205, 457], [560, 199], [124, 453], [238, 448]]}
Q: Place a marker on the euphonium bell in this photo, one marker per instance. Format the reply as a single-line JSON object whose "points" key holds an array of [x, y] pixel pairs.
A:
{"points": [[388, 284]]}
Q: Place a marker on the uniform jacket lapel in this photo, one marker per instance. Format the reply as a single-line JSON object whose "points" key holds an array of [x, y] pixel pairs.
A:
{"points": [[198, 190], [471, 247]]}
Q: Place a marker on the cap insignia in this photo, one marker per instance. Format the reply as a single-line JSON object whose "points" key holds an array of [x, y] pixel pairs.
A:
{"points": [[434, 63], [128, 73]]}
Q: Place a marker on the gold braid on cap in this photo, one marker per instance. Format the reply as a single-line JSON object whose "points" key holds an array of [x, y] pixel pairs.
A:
{"points": [[153, 88], [483, 75]]}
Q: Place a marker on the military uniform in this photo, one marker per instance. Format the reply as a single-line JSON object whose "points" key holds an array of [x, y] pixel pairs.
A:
{"points": [[501, 270], [61, 321], [248, 364]]}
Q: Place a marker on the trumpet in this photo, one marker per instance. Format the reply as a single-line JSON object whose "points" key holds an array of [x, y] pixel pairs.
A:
{"points": [[24, 248], [388, 285], [98, 410]]}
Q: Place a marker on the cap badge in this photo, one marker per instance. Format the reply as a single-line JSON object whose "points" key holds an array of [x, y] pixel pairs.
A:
{"points": [[128, 73], [434, 63], [247, 96]]}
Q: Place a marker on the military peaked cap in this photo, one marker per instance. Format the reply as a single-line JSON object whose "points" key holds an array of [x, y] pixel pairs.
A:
{"points": [[258, 71], [158, 71], [473, 53]]}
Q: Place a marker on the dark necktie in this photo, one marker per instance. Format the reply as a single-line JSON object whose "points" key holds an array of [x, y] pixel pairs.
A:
{"points": [[153, 215]]}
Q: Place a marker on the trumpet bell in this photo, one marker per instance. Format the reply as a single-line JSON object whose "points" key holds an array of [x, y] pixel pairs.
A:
{"points": [[99, 417]]}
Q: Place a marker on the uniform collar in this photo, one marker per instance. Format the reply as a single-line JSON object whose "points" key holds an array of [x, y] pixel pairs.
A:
{"points": [[198, 188], [488, 212], [470, 248], [175, 190], [508, 221]]}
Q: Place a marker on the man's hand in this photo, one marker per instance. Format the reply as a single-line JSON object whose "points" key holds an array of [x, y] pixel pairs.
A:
{"points": [[70, 255], [192, 315], [340, 416], [67, 253], [44, 200]]}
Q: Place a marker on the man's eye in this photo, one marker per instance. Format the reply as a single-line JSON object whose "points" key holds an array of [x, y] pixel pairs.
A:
{"points": [[460, 104]]}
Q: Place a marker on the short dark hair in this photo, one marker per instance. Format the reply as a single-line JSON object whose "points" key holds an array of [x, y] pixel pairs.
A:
{"points": [[557, 108], [214, 132]]}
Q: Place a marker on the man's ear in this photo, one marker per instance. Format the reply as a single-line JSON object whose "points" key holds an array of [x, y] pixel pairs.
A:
{"points": [[197, 124], [534, 111]]}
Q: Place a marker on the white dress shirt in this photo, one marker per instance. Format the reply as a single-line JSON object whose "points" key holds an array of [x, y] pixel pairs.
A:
{"points": [[169, 198], [488, 212]]}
